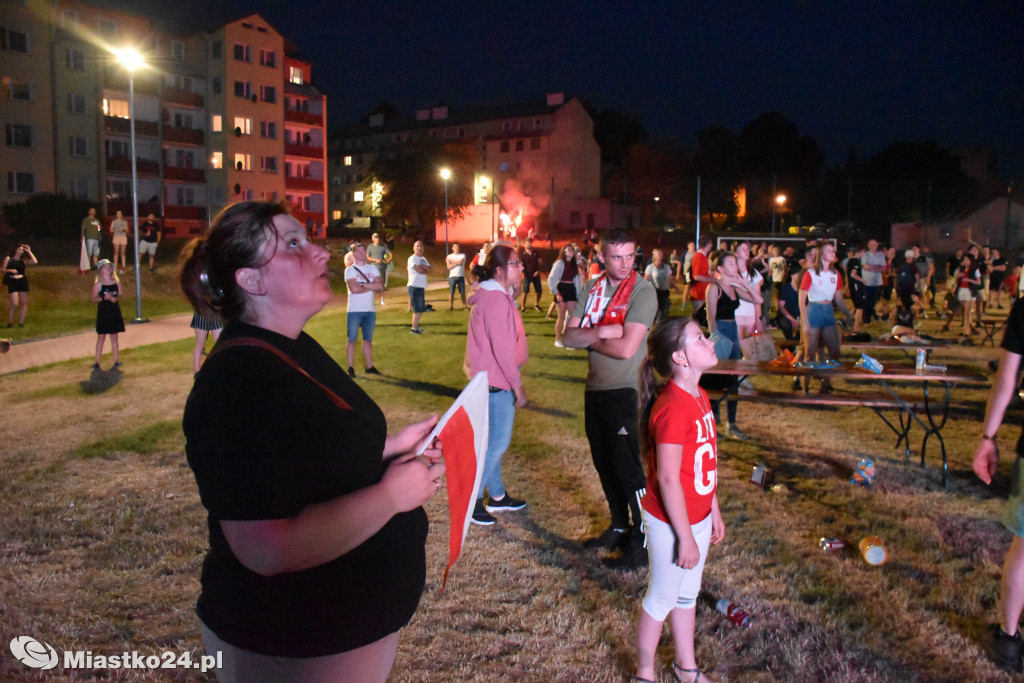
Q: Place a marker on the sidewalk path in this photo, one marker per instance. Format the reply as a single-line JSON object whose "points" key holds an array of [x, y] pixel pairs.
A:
{"points": [[83, 345]]}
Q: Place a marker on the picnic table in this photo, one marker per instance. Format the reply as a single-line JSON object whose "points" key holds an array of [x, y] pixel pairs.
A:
{"points": [[929, 411]]}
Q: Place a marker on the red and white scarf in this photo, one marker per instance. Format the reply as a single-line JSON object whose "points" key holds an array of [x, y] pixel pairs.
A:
{"points": [[608, 311]]}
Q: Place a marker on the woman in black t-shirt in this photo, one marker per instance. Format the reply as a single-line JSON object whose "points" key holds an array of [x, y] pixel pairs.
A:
{"points": [[317, 533]]}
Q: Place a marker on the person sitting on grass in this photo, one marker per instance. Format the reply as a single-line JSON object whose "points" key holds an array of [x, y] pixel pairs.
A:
{"points": [[680, 506]]}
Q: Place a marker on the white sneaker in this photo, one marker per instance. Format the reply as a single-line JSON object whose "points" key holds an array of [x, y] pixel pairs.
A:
{"points": [[559, 344]]}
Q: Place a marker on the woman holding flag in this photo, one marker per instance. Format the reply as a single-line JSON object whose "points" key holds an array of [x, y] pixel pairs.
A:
{"points": [[316, 553], [496, 343]]}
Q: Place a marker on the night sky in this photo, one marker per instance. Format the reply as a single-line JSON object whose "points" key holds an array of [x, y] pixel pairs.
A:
{"points": [[855, 76]]}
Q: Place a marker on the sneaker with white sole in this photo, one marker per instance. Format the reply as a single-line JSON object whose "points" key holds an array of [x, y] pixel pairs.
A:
{"points": [[481, 516], [506, 504], [559, 344]]}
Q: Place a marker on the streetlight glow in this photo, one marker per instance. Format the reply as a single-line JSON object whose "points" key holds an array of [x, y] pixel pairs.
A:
{"points": [[781, 199], [132, 60], [446, 174]]}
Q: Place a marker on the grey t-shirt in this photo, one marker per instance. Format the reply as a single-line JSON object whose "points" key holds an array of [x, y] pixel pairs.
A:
{"points": [[605, 372]]}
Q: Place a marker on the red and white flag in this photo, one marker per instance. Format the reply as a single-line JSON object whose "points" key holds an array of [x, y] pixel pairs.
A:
{"points": [[83, 259], [463, 434]]}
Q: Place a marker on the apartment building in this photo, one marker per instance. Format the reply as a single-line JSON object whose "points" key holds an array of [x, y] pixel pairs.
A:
{"points": [[538, 158], [209, 112], [27, 106]]}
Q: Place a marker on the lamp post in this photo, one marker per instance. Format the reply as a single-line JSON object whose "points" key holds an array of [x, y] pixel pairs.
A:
{"points": [[131, 60], [780, 201], [446, 174]]}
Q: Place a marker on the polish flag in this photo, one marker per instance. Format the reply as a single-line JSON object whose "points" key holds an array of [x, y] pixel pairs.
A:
{"points": [[463, 434], [83, 259]]}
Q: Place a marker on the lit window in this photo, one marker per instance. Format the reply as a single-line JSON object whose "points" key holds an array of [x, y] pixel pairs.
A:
{"points": [[117, 108], [336, 215], [217, 123], [295, 75], [217, 160], [348, 161], [357, 196], [243, 162], [243, 125]]}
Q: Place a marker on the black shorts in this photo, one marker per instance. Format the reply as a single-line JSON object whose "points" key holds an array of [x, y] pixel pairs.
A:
{"points": [[531, 279], [567, 290]]}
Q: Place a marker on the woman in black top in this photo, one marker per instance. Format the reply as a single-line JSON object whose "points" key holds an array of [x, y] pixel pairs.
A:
{"points": [[317, 533], [723, 298], [16, 281]]}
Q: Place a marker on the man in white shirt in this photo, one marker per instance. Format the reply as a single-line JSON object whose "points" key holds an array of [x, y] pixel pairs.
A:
{"points": [[418, 267], [456, 262], [363, 279], [872, 266]]}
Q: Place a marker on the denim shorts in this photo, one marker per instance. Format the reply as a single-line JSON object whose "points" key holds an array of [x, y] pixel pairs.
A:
{"points": [[418, 299], [366, 320], [820, 316]]}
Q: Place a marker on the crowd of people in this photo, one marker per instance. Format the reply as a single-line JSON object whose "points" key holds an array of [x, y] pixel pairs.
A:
{"points": [[307, 494]]}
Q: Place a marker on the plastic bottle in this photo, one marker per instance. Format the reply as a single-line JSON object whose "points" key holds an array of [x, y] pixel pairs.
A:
{"points": [[734, 612]]}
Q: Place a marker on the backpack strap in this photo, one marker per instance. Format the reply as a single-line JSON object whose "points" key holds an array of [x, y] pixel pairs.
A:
{"points": [[288, 360]]}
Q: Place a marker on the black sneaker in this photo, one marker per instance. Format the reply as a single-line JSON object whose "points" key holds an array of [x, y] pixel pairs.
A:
{"points": [[372, 371], [417, 330], [634, 554], [1005, 650], [609, 539], [351, 372], [506, 504], [481, 516]]}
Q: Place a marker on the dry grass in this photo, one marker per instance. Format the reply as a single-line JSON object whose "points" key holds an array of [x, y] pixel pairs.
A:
{"points": [[103, 533]]}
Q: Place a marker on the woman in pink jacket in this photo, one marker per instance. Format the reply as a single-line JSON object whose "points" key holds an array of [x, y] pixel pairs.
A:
{"points": [[496, 343]]}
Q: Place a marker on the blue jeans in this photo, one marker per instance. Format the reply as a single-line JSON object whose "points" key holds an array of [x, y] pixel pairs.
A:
{"points": [[502, 406]]}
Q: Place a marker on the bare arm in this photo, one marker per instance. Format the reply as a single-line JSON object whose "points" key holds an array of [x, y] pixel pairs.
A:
{"points": [[711, 301], [986, 455], [360, 286], [623, 346], [670, 458], [577, 337]]}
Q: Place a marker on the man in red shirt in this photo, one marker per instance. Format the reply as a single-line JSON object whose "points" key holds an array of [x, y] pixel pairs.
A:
{"points": [[700, 273]]}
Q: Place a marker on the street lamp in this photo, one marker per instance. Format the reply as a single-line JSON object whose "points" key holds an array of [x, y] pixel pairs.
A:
{"points": [[446, 174], [131, 60], [780, 201]]}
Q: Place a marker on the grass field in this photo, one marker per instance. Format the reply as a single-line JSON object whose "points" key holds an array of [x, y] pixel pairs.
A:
{"points": [[103, 532]]}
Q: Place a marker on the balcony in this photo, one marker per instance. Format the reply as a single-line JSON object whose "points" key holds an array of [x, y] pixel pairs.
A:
{"points": [[190, 175], [192, 213], [184, 136], [123, 165], [303, 117], [294, 150], [185, 98], [302, 216], [116, 124], [295, 183]]}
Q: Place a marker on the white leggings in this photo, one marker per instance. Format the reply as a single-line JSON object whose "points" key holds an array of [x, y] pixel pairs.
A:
{"points": [[669, 585]]}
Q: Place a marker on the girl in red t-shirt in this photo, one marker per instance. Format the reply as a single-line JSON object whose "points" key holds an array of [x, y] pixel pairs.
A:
{"points": [[680, 508]]}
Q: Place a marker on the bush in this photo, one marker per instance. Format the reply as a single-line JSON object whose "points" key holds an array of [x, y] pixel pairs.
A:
{"points": [[47, 216]]}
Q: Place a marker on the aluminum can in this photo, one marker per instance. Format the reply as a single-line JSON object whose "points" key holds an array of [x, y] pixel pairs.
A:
{"points": [[734, 612], [922, 358], [832, 543]]}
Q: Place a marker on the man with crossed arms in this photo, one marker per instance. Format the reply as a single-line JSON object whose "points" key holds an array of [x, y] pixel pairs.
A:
{"points": [[612, 322]]}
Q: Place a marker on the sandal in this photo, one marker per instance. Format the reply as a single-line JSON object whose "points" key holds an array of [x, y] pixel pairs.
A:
{"points": [[677, 679]]}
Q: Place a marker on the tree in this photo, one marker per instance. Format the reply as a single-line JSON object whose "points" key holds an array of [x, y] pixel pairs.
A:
{"points": [[649, 171], [717, 162], [413, 188], [47, 215], [616, 132], [913, 181]]}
